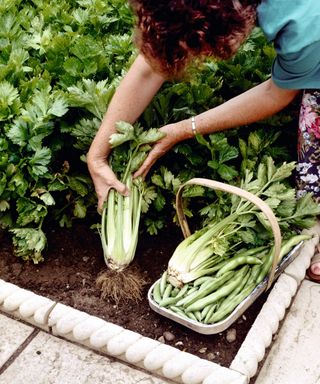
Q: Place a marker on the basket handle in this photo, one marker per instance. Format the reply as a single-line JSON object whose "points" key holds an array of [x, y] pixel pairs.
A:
{"points": [[264, 207]]}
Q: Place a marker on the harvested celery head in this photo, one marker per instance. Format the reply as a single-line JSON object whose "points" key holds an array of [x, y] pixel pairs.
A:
{"points": [[121, 214]]}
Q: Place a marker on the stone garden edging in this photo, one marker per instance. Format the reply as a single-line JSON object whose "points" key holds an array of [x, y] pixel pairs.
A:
{"points": [[151, 355]]}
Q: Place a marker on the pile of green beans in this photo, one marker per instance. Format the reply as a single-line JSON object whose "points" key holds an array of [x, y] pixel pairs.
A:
{"points": [[213, 297]]}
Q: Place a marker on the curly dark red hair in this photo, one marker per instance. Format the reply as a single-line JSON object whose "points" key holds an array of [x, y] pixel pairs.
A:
{"points": [[172, 32]]}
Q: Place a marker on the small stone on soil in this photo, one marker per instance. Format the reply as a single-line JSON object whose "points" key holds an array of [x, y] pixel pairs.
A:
{"points": [[162, 339], [169, 336], [203, 350], [210, 356], [179, 344], [231, 335]]}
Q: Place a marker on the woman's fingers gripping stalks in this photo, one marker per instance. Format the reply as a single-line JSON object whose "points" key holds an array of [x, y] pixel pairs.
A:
{"points": [[104, 179], [173, 135], [152, 157]]}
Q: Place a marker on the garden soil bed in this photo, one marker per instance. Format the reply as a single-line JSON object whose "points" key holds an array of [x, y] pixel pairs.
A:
{"points": [[73, 260]]}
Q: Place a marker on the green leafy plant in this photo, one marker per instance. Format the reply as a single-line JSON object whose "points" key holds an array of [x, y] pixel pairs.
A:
{"points": [[52, 58], [59, 67]]}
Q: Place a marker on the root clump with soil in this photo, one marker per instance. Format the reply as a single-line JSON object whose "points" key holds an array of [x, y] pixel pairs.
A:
{"points": [[121, 286]]}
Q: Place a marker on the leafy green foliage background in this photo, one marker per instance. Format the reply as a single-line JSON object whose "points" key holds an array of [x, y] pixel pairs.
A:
{"points": [[60, 62]]}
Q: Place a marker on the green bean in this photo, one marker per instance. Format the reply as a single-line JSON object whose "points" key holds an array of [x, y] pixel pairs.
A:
{"points": [[156, 293], [202, 280], [212, 309], [167, 301], [224, 311], [265, 267], [216, 282], [178, 311], [255, 270], [239, 288], [285, 249], [206, 283], [205, 310], [212, 270], [191, 316], [216, 267], [192, 290], [175, 291], [198, 316], [219, 266], [167, 291], [163, 282], [215, 296], [182, 291], [251, 251], [236, 262], [188, 300], [292, 242]]}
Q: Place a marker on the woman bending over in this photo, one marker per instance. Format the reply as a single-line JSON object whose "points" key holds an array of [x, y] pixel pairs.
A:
{"points": [[171, 33]]}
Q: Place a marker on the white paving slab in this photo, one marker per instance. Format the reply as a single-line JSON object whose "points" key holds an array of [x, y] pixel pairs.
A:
{"points": [[50, 360], [295, 355], [12, 335]]}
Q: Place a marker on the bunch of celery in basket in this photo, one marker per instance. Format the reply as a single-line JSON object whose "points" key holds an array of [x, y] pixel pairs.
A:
{"points": [[212, 271]]}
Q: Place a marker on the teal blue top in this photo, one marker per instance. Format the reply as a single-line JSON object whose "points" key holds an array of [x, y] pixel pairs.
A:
{"points": [[294, 28]]}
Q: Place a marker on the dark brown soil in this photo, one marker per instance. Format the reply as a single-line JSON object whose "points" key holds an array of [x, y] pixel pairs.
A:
{"points": [[74, 259]]}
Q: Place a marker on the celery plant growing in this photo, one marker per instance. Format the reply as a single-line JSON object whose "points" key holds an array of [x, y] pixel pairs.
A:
{"points": [[121, 214]]}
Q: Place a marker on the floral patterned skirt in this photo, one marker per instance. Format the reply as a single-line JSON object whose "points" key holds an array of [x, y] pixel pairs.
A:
{"points": [[308, 168]]}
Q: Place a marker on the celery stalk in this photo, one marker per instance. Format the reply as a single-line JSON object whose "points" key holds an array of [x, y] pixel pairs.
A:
{"points": [[121, 214], [194, 251]]}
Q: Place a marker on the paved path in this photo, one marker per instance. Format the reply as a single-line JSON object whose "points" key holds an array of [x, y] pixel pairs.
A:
{"points": [[294, 357], [29, 355]]}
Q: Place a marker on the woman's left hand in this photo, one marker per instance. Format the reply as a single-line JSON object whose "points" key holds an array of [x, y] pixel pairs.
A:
{"points": [[174, 133]]}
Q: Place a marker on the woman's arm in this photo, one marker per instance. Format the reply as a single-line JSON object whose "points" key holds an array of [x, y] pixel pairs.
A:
{"points": [[134, 93], [258, 103]]}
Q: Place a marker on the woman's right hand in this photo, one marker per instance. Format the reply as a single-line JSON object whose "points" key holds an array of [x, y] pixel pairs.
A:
{"points": [[104, 179]]}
